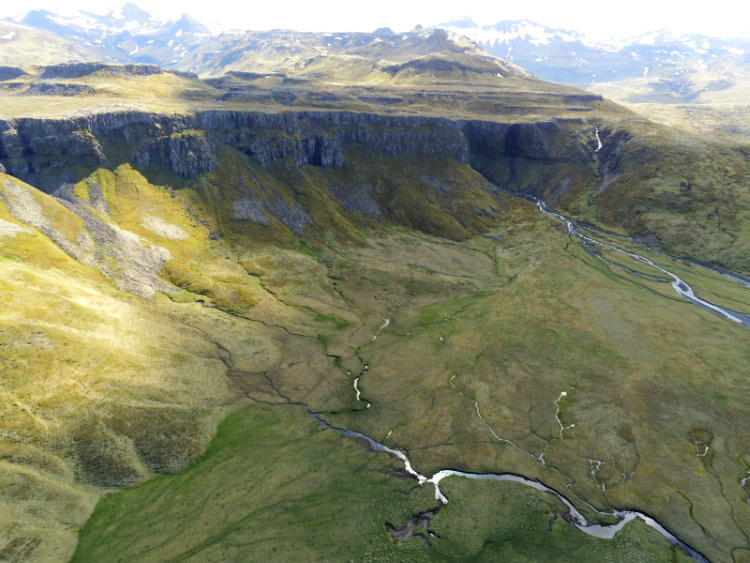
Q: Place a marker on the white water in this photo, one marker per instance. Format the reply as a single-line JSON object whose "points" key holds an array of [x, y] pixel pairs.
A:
{"points": [[385, 324], [679, 285], [576, 518], [596, 465], [557, 414], [598, 140], [382, 327]]}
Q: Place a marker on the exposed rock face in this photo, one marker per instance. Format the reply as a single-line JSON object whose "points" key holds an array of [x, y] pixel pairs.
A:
{"points": [[134, 264], [30, 146], [10, 72], [42, 151], [163, 228], [188, 154], [25, 208], [294, 217], [76, 70], [8, 229], [250, 208], [357, 198], [55, 89]]}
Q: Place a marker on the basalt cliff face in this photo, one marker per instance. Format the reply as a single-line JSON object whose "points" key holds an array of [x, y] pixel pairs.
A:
{"points": [[648, 183], [40, 151]]}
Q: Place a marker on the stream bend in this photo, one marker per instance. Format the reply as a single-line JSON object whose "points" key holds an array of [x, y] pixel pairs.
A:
{"points": [[575, 518], [681, 287]]}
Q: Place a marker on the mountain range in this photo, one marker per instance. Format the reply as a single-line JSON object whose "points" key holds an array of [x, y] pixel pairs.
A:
{"points": [[654, 67]]}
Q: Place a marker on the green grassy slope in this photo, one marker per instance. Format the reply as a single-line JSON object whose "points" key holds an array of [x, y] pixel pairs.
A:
{"points": [[276, 485]]}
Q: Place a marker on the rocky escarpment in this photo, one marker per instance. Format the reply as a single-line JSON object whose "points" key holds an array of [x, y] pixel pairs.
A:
{"points": [[10, 72], [77, 70], [623, 183], [50, 153]]}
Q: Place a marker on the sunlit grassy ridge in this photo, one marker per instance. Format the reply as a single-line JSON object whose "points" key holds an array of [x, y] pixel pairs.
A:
{"points": [[101, 387]]}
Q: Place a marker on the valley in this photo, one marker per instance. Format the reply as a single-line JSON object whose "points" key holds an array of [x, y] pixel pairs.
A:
{"points": [[397, 301]]}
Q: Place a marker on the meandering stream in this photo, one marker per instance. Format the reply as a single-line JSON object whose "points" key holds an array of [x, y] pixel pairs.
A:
{"points": [[574, 517], [680, 286]]}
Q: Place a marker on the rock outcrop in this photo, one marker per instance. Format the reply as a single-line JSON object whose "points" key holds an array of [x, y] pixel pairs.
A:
{"points": [[77, 70], [10, 72], [44, 152]]}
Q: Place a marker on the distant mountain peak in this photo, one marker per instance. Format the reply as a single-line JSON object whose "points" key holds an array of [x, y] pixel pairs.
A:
{"points": [[383, 32], [465, 21], [130, 11], [36, 17]]}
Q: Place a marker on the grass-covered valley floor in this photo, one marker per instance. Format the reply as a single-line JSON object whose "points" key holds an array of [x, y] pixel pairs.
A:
{"points": [[512, 352], [274, 485]]}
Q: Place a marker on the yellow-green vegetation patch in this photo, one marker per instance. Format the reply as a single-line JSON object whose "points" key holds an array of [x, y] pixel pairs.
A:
{"points": [[98, 388]]}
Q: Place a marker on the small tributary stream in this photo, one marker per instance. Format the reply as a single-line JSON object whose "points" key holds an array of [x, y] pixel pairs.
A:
{"points": [[574, 517], [680, 286]]}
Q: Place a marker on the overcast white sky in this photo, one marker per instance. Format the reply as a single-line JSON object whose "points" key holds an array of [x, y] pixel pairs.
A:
{"points": [[597, 18]]}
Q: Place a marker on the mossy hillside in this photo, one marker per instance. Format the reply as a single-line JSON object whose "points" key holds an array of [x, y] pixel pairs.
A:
{"points": [[156, 214], [452, 200], [314, 495], [79, 362], [692, 193], [239, 176], [208, 263], [241, 272], [103, 389]]}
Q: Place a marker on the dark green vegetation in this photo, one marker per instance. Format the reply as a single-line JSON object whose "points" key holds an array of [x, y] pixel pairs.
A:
{"points": [[274, 485]]}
